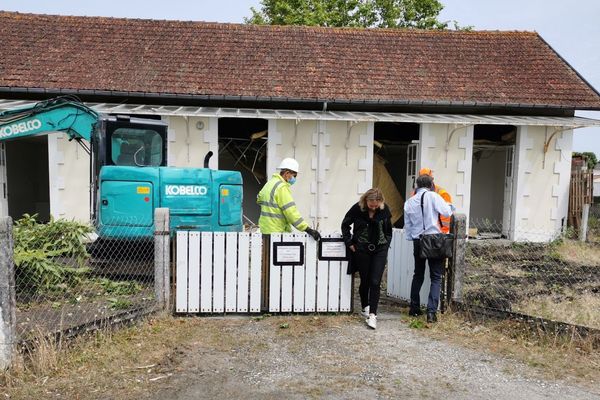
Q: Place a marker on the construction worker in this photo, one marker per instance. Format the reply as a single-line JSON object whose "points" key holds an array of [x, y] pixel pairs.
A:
{"points": [[445, 221], [278, 212]]}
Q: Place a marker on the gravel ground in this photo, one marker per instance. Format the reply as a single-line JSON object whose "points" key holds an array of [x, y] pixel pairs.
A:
{"points": [[340, 358]]}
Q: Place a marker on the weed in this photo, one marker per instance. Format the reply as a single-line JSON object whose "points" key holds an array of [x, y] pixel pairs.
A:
{"points": [[119, 304], [119, 287], [416, 323]]}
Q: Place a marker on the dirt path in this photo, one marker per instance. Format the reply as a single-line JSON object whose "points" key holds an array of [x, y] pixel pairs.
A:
{"points": [[339, 358]]}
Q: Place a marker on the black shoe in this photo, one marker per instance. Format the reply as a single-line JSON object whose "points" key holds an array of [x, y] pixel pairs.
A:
{"points": [[415, 312], [431, 317]]}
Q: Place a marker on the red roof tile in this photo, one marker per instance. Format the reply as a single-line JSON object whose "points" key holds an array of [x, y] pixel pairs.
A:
{"points": [[197, 58]]}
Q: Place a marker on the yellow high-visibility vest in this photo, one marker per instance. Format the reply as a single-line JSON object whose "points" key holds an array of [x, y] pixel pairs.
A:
{"points": [[278, 212]]}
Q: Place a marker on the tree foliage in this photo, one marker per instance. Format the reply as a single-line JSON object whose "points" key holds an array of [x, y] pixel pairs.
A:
{"points": [[589, 157], [420, 14]]}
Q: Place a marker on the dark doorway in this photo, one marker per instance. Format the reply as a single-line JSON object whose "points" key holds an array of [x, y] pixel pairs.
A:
{"points": [[243, 147], [27, 178], [394, 160]]}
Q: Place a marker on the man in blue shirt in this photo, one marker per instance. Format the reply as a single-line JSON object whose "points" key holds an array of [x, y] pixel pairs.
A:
{"points": [[425, 221]]}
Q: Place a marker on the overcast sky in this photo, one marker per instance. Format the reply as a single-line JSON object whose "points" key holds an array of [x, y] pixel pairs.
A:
{"points": [[572, 28]]}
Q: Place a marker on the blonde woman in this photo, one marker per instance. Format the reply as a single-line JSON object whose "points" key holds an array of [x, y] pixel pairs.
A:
{"points": [[369, 242]]}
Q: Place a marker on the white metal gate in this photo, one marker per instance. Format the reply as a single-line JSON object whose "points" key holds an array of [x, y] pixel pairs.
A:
{"points": [[401, 267], [219, 272], [321, 286]]}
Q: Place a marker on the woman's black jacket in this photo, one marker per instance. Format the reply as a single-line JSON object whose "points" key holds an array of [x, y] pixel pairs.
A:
{"points": [[376, 232]]}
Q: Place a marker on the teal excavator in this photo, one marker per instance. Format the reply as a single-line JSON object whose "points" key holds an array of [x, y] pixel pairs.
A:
{"points": [[129, 172]]}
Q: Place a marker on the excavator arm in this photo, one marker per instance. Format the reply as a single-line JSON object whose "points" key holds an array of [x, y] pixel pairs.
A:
{"points": [[62, 114]]}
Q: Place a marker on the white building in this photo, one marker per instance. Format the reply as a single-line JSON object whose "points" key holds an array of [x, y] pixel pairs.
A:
{"points": [[492, 113]]}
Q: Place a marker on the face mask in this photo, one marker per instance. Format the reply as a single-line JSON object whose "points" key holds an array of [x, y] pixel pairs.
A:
{"points": [[292, 180]]}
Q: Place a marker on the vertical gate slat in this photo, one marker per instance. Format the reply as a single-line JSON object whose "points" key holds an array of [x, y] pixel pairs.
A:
{"points": [[406, 262], [334, 286], [287, 277], [274, 278], [182, 270], [345, 288], [231, 267], [401, 247], [310, 280], [194, 272], [243, 266], [392, 267], [206, 273], [298, 301], [255, 271], [219, 272], [322, 284]]}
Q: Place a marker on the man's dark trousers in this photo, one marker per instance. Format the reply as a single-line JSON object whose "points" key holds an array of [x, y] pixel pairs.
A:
{"points": [[435, 275]]}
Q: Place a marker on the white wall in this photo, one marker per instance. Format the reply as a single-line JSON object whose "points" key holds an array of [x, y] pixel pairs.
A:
{"points": [[336, 165], [188, 145], [69, 172], [542, 182], [452, 168]]}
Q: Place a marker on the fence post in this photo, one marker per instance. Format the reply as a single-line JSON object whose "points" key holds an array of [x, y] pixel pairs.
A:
{"points": [[459, 229], [162, 262], [584, 222], [7, 295]]}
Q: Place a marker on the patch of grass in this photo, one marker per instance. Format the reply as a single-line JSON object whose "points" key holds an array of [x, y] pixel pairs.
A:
{"points": [[107, 364], [572, 307], [555, 356], [576, 252]]}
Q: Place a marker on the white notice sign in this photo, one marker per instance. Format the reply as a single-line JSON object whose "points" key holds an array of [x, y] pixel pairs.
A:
{"points": [[288, 253], [332, 249]]}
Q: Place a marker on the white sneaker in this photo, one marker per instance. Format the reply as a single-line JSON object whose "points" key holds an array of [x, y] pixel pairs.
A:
{"points": [[365, 312], [372, 321]]}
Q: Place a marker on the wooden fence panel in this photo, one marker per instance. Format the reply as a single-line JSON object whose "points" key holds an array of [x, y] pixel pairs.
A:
{"points": [[231, 264], [193, 272], [181, 299], [206, 272], [242, 271], [255, 271]]}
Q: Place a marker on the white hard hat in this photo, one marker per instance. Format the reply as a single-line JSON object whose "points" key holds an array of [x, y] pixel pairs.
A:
{"points": [[289, 163]]}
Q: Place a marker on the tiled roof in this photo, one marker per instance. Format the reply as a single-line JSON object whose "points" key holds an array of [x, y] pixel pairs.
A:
{"points": [[198, 58]]}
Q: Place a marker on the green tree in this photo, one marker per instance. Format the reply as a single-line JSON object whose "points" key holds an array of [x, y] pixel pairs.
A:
{"points": [[420, 14], [589, 157]]}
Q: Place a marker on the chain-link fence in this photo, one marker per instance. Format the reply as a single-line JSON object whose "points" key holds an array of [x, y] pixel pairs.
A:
{"points": [[594, 224], [549, 276], [68, 278]]}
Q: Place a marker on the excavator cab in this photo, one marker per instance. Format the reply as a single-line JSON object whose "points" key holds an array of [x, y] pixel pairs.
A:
{"points": [[130, 142], [120, 145]]}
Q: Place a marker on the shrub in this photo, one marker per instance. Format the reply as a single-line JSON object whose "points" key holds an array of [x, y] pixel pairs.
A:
{"points": [[38, 247]]}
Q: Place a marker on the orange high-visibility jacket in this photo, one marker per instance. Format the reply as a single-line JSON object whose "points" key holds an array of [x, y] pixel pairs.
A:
{"points": [[445, 221]]}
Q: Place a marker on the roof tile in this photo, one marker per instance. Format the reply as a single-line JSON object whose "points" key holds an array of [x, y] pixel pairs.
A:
{"points": [[345, 64]]}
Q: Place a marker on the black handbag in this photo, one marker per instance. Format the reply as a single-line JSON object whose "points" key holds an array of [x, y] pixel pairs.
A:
{"points": [[436, 245]]}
